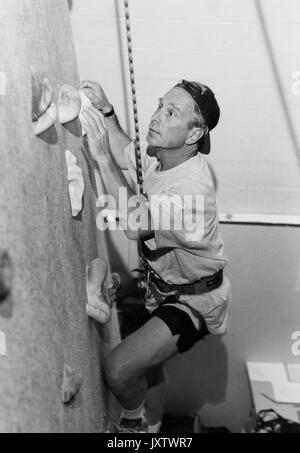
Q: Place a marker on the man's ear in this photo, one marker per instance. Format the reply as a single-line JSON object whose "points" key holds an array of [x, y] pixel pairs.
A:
{"points": [[195, 135]]}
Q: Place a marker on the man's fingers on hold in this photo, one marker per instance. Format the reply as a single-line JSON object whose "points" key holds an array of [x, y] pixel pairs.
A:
{"points": [[90, 84], [88, 92], [97, 117], [86, 84], [88, 128], [94, 124]]}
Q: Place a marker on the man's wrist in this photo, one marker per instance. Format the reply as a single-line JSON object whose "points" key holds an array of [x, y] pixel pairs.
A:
{"points": [[108, 110]]}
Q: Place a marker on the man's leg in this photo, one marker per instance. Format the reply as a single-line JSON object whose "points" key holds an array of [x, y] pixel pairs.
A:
{"points": [[157, 380], [127, 365]]}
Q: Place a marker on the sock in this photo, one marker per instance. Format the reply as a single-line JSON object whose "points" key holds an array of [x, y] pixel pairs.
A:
{"points": [[154, 429], [134, 414]]}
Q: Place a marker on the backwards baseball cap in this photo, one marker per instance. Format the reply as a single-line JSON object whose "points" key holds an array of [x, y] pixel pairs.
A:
{"points": [[205, 100]]}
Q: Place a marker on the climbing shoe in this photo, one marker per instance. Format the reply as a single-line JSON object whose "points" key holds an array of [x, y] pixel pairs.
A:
{"points": [[138, 425]]}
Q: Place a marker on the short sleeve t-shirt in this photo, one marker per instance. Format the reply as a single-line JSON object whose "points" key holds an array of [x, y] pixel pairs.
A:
{"points": [[182, 202]]}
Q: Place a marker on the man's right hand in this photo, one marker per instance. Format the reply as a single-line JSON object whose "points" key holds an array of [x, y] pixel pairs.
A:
{"points": [[96, 95], [97, 133]]}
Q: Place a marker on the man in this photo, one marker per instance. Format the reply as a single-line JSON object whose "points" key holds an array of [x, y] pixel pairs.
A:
{"points": [[187, 295]]}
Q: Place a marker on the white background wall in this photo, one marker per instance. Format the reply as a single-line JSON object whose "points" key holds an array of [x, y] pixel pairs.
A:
{"points": [[255, 154], [265, 274]]}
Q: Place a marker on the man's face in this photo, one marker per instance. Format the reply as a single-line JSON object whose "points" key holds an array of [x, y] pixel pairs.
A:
{"points": [[170, 124]]}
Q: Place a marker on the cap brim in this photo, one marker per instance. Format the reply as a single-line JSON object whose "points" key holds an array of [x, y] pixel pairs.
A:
{"points": [[206, 146]]}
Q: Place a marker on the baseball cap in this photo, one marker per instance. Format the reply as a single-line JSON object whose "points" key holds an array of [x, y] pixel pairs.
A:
{"points": [[205, 100]]}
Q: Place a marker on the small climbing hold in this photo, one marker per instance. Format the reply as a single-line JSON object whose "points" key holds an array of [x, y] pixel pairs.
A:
{"points": [[69, 104], [99, 304], [71, 385], [6, 275], [76, 183]]}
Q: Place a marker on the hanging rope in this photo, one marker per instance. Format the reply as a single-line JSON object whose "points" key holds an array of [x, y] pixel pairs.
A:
{"points": [[138, 155]]}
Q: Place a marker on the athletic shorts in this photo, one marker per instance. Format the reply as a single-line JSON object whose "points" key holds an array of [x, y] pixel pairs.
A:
{"points": [[180, 323]]}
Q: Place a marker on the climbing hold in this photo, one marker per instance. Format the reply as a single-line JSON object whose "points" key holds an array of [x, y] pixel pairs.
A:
{"points": [[99, 305], [71, 385], [69, 104], [6, 275], [76, 183], [44, 111], [46, 120]]}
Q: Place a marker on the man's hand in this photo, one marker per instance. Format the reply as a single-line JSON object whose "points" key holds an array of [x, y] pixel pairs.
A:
{"points": [[96, 95], [97, 133]]}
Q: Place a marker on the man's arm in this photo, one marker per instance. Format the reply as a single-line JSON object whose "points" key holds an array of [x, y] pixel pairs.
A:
{"points": [[118, 139], [113, 178]]}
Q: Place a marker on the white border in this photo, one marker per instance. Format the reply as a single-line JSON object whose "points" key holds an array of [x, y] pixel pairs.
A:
{"points": [[264, 219]]}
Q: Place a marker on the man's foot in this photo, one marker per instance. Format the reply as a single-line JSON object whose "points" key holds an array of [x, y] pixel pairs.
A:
{"points": [[138, 425]]}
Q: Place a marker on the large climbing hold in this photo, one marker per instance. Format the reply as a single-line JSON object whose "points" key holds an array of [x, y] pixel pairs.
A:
{"points": [[99, 303], [6, 275], [71, 385]]}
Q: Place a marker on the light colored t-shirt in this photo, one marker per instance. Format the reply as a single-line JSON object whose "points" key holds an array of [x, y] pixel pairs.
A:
{"points": [[182, 202]]}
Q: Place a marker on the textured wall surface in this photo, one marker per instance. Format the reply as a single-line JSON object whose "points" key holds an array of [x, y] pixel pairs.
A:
{"points": [[44, 319]]}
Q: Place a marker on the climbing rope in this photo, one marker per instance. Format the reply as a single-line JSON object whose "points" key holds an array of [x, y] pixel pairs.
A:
{"points": [[138, 154]]}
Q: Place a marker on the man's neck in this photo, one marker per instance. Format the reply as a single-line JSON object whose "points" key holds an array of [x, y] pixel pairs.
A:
{"points": [[170, 158]]}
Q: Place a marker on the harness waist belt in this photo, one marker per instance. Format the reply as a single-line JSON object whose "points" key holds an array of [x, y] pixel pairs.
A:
{"points": [[205, 285]]}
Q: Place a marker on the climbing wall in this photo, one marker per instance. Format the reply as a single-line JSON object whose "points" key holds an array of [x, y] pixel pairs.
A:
{"points": [[44, 251]]}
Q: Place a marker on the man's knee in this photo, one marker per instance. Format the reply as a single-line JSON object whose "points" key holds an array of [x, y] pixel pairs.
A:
{"points": [[118, 374], [113, 374]]}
